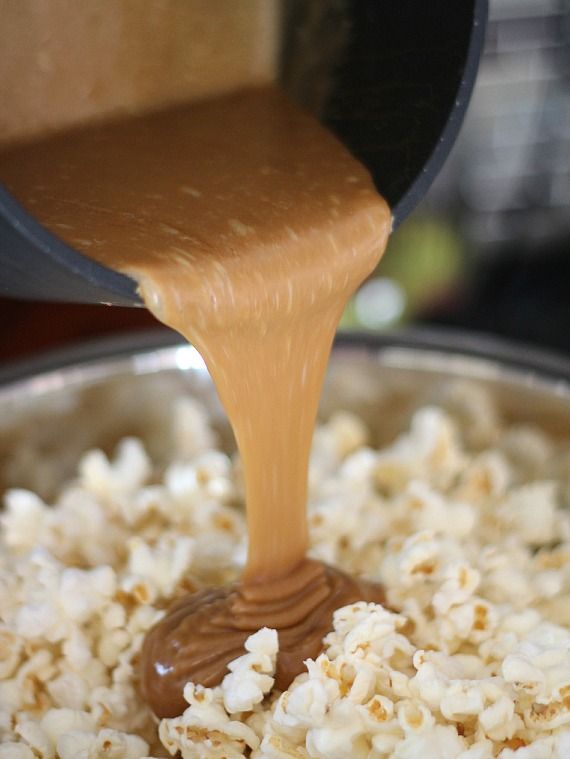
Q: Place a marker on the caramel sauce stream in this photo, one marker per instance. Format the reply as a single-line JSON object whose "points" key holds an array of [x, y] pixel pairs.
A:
{"points": [[247, 226]]}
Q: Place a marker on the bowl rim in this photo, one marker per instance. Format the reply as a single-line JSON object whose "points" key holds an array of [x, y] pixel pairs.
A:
{"points": [[455, 352]]}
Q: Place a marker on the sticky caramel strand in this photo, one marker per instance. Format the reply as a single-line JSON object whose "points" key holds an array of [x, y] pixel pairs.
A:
{"points": [[204, 631]]}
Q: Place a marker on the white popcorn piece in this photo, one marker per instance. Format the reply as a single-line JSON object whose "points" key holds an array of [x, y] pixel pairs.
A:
{"points": [[378, 712], [473, 408], [427, 510], [480, 750], [24, 519], [462, 699], [191, 428], [498, 719], [58, 722], [562, 743], [487, 477], [80, 528], [120, 744], [341, 737], [162, 565], [111, 646], [435, 671], [540, 664], [527, 447], [522, 674], [414, 717], [105, 743], [460, 581], [207, 474], [363, 685], [11, 646], [205, 730], [114, 616], [12, 750], [278, 747], [473, 621], [343, 434], [75, 745], [69, 690], [32, 733], [123, 476], [83, 593], [368, 632], [431, 449], [441, 741], [418, 560], [348, 431], [309, 702], [251, 675], [358, 467], [521, 507]]}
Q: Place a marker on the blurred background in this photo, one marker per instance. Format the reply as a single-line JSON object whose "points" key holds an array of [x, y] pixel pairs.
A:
{"points": [[488, 249]]}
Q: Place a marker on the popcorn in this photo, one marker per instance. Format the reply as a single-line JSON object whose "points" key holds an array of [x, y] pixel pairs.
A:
{"points": [[520, 509], [460, 581], [342, 737], [462, 518], [344, 434], [206, 476], [58, 722], [36, 739], [429, 450], [106, 743], [414, 717], [471, 622], [348, 432], [430, 511], [528, 448], [126, 474], [162, 565], [191, 430], [205, 730], [11, 750], [488, 476], [474, 411], [309, 703], [10, 651], [251, 675], [24, 519], [439, 741]]}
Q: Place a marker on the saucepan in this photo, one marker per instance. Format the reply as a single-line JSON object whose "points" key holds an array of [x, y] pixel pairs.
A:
{"points": [[392, 79]]}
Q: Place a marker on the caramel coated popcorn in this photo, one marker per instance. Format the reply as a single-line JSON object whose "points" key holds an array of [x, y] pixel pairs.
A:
{"points": [[464, 519]]}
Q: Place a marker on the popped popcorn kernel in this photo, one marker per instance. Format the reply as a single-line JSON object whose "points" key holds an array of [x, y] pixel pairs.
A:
{"points": [[11, 646], [251, 675], [462, 518], [12, 750], [205, 728]]}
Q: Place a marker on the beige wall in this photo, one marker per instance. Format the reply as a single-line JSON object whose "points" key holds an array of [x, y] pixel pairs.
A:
{"points": [[63, 62]]}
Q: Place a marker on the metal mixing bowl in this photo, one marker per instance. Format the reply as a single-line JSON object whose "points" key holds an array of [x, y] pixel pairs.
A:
{"points": [[53, 409]]}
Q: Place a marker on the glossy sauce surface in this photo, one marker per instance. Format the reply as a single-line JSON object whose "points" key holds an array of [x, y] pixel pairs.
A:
{"points": [[247, 226]]}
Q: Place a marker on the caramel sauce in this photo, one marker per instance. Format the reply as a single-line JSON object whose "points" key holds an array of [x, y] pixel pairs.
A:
{"points": [[206, 630], [247, 226]]}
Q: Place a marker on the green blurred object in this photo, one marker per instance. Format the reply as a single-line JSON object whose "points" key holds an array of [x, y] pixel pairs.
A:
{"points": [[425, 261]]}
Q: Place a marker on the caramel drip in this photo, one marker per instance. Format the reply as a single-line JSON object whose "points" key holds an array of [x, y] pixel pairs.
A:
{"points": [[203, 632], [247, 226]]}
